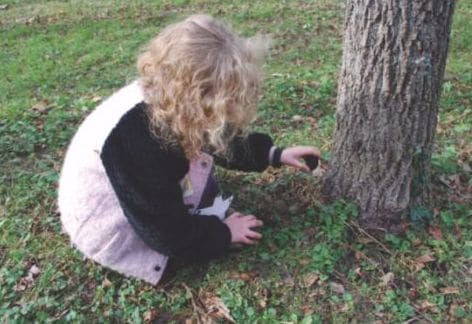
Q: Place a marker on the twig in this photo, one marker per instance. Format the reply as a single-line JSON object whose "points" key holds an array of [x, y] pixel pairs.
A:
{"points": [[62, 314], [196, 309], [362, 231], [416, 318]]}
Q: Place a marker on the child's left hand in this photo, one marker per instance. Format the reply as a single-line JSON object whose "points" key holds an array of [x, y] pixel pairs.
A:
{"points": [[292, 156]]}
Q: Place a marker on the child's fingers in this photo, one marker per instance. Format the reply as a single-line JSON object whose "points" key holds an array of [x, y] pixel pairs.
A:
{"points": [[304, 168], [250, 217], [299, 165], [247, 241], [254, 235], [255, 223], [310, 150], [235, 215]]}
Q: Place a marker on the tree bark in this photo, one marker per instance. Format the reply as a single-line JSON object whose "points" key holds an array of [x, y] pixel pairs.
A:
{"points": [[393, 65]]}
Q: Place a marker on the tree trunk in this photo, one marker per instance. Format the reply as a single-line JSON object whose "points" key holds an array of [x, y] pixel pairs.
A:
{"points": [[393, 65]]}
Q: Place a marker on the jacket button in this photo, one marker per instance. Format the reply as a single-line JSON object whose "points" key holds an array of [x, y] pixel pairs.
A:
{"points": [[204, 164], [157, 268]]}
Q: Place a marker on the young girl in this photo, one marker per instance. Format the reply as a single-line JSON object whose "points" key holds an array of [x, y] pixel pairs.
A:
{"points": [[137, 183]]}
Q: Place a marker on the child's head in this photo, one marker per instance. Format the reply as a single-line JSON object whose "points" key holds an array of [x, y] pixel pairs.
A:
{"points": [[201, 82]]}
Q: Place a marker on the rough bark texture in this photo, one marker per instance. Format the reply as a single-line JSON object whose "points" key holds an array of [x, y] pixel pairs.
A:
{"points": [[393, 65]]}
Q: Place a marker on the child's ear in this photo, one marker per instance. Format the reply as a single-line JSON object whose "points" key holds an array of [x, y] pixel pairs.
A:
{"points": [[257, 47]]}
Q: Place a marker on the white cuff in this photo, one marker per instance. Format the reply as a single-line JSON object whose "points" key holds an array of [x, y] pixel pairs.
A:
{"points": [[271, 154]]}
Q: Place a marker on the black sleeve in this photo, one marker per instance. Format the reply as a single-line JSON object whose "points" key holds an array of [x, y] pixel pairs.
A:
{"points": [[146, 181], [250, 153]]}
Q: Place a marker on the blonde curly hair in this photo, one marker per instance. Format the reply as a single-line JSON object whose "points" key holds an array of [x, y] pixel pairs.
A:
{"points": [[201, 83]]}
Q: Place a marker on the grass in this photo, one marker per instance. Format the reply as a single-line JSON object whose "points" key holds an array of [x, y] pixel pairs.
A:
{"points": [[59, 58]]}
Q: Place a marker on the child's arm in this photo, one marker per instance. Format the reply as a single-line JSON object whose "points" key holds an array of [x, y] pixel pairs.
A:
{"points": [[257, 151], [249, 153]]}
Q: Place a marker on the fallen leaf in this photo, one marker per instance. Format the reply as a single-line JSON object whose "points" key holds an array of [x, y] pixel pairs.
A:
{"points": [[215, 308], [404, 225], [297, 118], [288, 280], [96, 99], [360, 255], [425, 258], [304, 261], [242, 276], [337, 288], [310, 279], [436, 232], [365, 240], [452, 311], [263, 297], [39, 123], [458, 231], [427, 305], [28, 280], [359, 272], [466, 167], [307, 310], [420, 262], [318, 172], [412, 293], [106, 282], [416, 242], [150, 316], [41, 106], [287, 277], [21, 285], [449, 290], [387, 278], [32, 20], [344, 308]]}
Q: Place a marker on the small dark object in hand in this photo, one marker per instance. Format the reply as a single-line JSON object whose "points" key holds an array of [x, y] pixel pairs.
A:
{"points": [[311, 161]]}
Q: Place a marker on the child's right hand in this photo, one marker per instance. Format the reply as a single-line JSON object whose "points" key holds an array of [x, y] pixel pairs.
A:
{"points": [[241, 228]]}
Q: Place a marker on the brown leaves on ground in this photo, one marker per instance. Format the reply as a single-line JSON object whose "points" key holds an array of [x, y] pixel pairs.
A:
{"points": [[310, 279], [106, 283], [244, 276], [28, 280], [387, 278], [150, 316], [337, 288], [215, 307], [96, 99], [263, 297], [427, 306], [305, 261], [449, 290], [420, 262], [457, 186], [207, 307], [436, 232], [41, 107]]}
